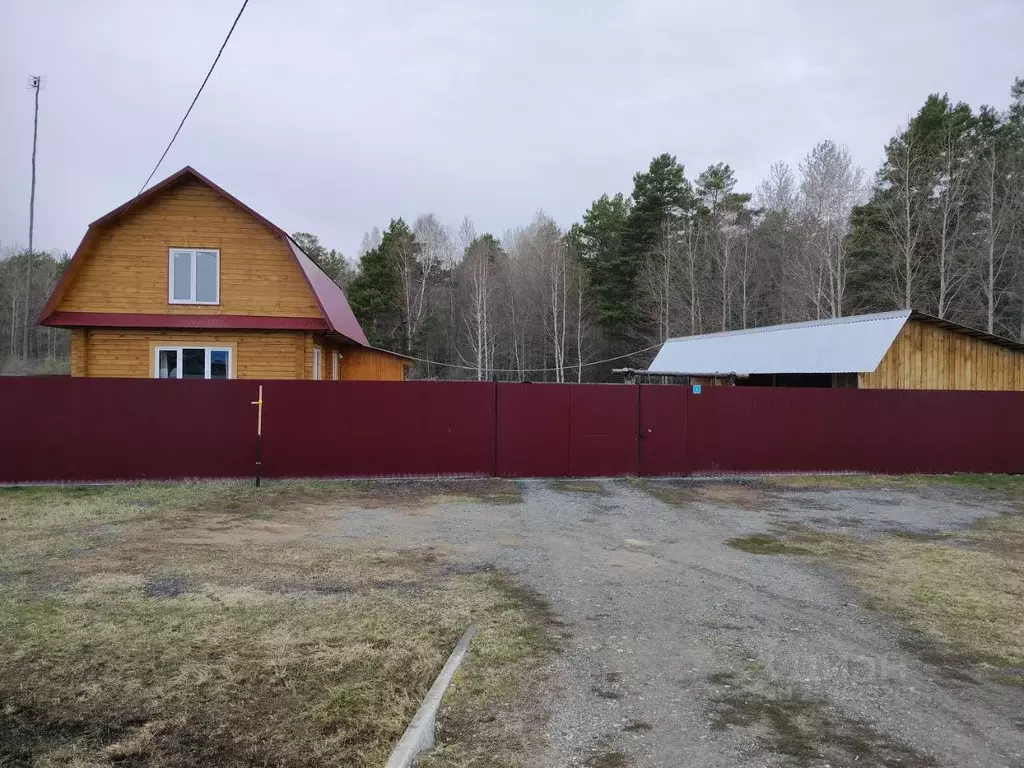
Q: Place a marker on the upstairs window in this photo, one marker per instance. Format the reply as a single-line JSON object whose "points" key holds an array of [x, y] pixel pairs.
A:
{"points": [[194, 276]]}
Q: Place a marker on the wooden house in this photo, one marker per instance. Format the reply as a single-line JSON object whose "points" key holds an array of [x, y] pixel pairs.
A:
{"points": [[885, 350], [186, 281]]}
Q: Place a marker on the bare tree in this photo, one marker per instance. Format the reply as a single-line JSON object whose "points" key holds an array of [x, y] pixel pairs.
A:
{"points": [[1000, 206], [659, 283], [419, 265], [903, 214], [747, 277], [693, 238], [582, 322], [371, 240], [777, 198], [831, 185], [477, 301], [956, 163]]}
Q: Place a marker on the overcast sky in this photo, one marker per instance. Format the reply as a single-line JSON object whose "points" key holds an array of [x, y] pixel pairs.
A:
{"points": [[333, 117]]}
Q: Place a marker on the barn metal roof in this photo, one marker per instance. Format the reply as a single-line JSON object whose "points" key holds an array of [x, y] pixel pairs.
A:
{"points": [[841, 345], [853, 344]]}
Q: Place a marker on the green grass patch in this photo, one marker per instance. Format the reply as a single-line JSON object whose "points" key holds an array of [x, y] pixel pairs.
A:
{"points": [[761, 544]]}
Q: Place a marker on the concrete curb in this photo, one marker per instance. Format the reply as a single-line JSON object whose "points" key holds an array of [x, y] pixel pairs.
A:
{"points": [[419, 736]]}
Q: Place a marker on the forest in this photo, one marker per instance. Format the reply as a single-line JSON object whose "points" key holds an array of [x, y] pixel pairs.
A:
{"points": [[938, 227]]}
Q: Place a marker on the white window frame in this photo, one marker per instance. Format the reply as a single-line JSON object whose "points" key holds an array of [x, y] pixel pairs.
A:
{"points": [[193, 261], [334, 365], [316, 363], [181, 359]]}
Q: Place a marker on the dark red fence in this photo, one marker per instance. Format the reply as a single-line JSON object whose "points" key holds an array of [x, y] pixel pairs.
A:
{"points": [[71, 430]]}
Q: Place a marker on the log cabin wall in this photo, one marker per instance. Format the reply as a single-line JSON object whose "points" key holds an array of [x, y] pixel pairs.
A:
{"points": [[130, 353], [366, 364], [926, 356], [126, 267]]}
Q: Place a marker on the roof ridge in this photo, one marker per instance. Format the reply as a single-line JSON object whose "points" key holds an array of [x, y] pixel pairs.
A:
{"points": [[847, 320]]}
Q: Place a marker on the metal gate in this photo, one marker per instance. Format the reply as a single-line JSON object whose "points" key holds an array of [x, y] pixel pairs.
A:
{"points": [[662, 430]]}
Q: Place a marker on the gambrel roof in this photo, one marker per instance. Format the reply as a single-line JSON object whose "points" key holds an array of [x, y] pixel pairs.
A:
{"points": [[334, 307]]}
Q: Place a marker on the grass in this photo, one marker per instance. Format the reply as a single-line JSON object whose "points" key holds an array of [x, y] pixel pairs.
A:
{"points": [[579, 486], [174, 625], [739, 494], [962, 592], [489, 715], [803, 728], [1009, 484]]}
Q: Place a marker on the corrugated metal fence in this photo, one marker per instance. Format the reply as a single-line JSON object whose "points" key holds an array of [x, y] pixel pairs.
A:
{"points": [[71, 430]]}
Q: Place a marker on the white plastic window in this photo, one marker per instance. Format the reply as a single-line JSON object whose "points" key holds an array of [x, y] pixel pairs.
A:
{"points": [[194, 276], [192, 363]]}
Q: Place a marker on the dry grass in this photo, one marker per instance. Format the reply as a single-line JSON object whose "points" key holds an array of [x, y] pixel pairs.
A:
{"points": [[963, 591], [578, 486], [490, 715], [130, 635], [1008, 484], [738, 494]]}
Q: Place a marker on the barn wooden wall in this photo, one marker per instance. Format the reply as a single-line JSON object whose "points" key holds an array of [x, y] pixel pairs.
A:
{"points": [[926, 356]]}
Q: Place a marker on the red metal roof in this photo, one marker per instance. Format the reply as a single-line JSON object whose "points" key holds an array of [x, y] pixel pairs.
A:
{"points": [[236, 322], [337, 314], [329, 296]]}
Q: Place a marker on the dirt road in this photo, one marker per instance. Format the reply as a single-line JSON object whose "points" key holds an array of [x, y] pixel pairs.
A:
{"points": [[681, 650]]}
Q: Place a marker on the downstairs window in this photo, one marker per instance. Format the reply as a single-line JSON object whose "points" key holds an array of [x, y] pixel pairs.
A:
{"points": [[193, 363]]}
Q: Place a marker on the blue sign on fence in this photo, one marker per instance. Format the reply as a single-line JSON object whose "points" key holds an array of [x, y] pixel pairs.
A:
{"points": [[696, 389]]}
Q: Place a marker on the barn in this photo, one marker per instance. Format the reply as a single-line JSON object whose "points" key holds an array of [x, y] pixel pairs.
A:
{"points": [[886, 350]]}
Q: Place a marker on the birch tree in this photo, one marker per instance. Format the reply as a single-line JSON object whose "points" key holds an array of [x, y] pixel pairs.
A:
{"points": [[660, 285], [477, 303], [997, 193], [420, 261], [831, 185], [952, 211]]}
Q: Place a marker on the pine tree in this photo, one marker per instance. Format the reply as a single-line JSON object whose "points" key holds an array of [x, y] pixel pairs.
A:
{"points": [[599, 242], [374, 294], [333, 262]]}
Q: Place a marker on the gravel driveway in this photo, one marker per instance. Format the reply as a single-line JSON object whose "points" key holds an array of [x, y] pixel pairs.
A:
{"points": [[683, 651]]}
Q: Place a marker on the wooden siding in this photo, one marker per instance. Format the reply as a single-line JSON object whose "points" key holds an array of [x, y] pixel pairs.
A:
{"points": [[79, 351], [925, 356], [125, 269], [123, 353], [361, 364]]}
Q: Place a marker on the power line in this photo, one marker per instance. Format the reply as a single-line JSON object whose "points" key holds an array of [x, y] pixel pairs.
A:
{"points": [[190, 106], [535, 370]]}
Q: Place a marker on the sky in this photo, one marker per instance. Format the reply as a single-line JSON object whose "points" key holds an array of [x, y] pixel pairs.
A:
{"points": [[334, 117]]}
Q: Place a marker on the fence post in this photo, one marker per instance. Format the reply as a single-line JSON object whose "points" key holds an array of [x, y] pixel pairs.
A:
{"points": [[639, 428], [494, 470], [259, 434]]}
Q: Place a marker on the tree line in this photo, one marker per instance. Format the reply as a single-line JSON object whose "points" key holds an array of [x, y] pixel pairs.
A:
{"points": [[939, 228], [41, 350]]}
